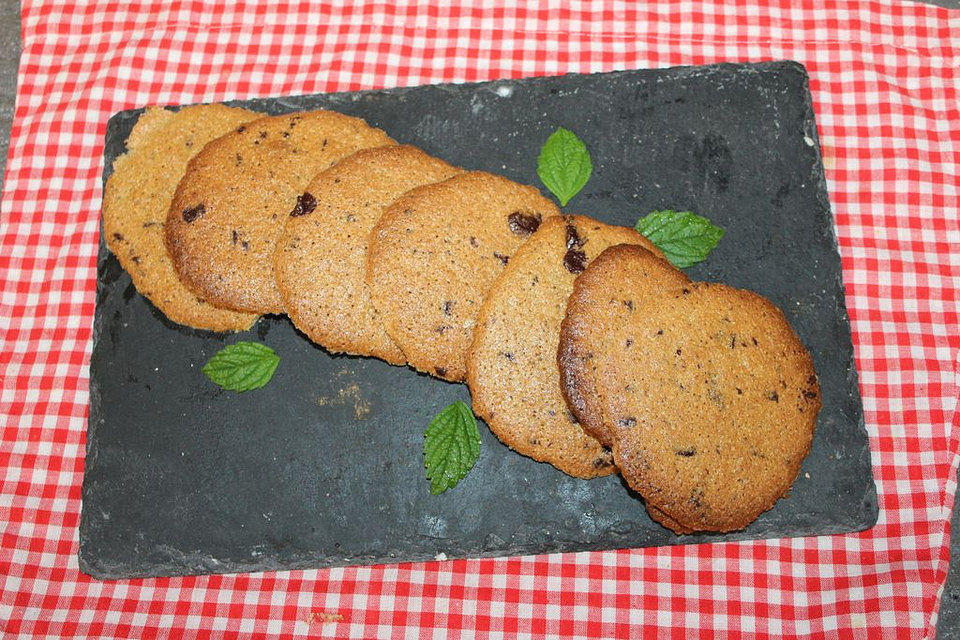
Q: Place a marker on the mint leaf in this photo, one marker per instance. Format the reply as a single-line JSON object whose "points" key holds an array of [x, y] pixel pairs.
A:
{"points": [[451, 445], [242, 366], [564, 164], [684, 237]]}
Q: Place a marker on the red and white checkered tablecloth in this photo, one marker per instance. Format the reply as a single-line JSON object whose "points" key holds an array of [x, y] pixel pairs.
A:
{"points": [[885, 78]]}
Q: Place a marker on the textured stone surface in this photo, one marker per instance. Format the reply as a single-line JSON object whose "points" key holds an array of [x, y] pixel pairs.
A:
{"points": [[324, 466]]}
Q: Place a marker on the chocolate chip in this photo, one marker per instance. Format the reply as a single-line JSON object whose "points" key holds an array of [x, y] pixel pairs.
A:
{"points": [[659, 332], [600, 463], [627, 423], [695, 498], [574, 241], [523, 224], [448, 307], [191, 214], [473, 242], [244, 245], [733, 340], [629, 343], [739, 391], [285, 134], [686, 453], [502, 258], [136, 259], [118, 237], [235, 236], [575, 261], [679, 352], [441, 371], [263, 135], [809, 394], [754, 341], [241, 129], [773, 396], [812, 380], [685, 291], [508, 355], [306, 203], [628, 304]]}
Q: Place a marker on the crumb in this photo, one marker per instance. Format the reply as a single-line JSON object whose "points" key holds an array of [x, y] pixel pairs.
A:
{"points": [[361, 410], [322, 616], [350, 393]]}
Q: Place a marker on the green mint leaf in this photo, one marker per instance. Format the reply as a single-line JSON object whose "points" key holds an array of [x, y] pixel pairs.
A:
{"points": [[451, 445], [242, 366], [684, 237], [564, 165]]}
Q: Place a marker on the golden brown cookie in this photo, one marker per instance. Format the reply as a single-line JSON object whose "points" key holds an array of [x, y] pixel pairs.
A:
{"points": [[712, 402], [320, 263], [666, 521], [230, 208], [621, 278], [434, 254], [136, 199], [512, 363]]}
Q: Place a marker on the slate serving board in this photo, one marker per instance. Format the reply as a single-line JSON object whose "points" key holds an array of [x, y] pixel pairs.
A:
{"points": [[324, 467]]}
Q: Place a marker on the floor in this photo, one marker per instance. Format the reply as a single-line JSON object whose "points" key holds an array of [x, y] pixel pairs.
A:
{"points": [[949, 621]]}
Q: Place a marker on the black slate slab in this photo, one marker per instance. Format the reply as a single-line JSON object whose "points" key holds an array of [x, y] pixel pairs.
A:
{"points": [[323, 467]]}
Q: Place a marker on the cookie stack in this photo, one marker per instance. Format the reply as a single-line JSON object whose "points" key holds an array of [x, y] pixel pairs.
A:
{"points": [[582, 346]]}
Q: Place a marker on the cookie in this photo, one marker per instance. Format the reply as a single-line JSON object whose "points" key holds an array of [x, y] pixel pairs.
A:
{"points": [[512, 363], [320, 263], [712, 403], [621, 278], [434, 254], [230, 208], [136, 199]]}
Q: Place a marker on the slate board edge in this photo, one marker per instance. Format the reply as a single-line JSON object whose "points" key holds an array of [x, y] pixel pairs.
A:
{"points": [[124, 120], [870, 502], [203, 564]]}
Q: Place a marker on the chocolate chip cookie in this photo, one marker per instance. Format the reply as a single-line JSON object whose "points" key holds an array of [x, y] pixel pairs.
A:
{"points": [[230, 208], [711, 402], [320, 263], [434, 254]]}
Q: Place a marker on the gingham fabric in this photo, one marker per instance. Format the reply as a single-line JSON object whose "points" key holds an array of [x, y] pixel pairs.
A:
{"points": [[885, 79]]}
